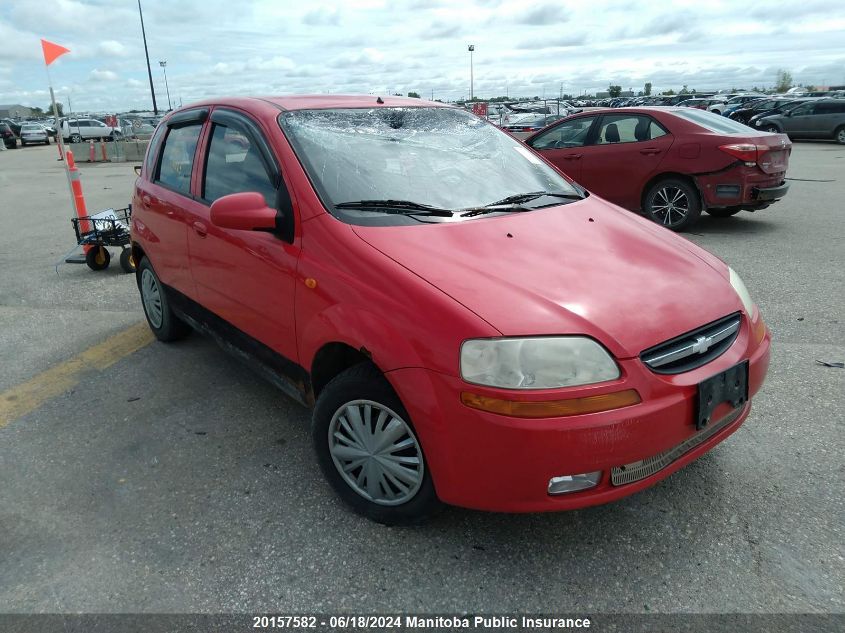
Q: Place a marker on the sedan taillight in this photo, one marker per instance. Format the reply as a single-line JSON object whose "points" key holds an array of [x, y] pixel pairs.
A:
{"points": [[747, 152]]}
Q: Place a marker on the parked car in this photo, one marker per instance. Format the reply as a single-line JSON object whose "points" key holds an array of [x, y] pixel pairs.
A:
{"points": [[9, 138], [670, 163], [749, 109], [32, 133], [782, 107], [469, 326], [739, 101], [529, 122], [821, 119], [15, 126], [77, 130]]}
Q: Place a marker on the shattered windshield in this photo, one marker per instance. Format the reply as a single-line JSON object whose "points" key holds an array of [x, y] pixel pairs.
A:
{"points": [[444, 158]]}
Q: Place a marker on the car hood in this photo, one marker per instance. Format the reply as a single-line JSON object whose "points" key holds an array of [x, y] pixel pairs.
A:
{"points": [[587, 267]]}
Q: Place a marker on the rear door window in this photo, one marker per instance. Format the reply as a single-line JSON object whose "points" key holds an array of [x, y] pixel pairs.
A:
{"points": [[631, 128], [177, 158]]}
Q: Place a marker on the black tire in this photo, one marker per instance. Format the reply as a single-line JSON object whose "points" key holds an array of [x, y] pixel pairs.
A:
{"points": [[839, 135], [722, 213], [773, 129], [165, 325], [364, 382], [127, 263], [672, 203], [75, 138], [98, 258], [23, 144], [47, 142]]}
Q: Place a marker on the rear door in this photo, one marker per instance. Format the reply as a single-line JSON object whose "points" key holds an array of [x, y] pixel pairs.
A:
{"points": [[563, 145], [828, 114], [165, 199], [626, 151]]}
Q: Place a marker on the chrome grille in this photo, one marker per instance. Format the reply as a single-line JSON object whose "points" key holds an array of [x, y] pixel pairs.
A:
{"points": [[693, 349], [630, 473]]}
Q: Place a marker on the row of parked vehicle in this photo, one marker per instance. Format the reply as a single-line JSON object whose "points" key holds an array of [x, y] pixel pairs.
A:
{"points": [[74, 130], [800, 115]]}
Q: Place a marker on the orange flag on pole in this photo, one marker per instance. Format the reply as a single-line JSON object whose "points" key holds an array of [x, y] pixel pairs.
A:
{"points": [[52, 51]]}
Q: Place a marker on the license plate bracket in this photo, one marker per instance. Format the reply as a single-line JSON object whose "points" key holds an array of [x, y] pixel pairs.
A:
{"points": [[730, 385]]}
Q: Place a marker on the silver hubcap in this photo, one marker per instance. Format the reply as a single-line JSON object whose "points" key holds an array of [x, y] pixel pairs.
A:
{"points": [[841, 136], [375, 452], [670, 205], [151, 297]]}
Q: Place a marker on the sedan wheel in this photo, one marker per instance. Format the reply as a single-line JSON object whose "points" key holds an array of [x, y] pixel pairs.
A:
{"points": [[673, 204], [162, 321], [840, 135], [368, 450]]}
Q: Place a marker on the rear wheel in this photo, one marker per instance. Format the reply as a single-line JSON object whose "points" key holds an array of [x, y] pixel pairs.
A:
{"points": [[368, 451], [75, 138], [773, 129], [673, 203], [839, 135], [97, 258], [162, 321], [723, 213]]}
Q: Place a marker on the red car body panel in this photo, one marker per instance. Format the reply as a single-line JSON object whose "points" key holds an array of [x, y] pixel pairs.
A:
{"points": [[408, 296], [622, 172]]}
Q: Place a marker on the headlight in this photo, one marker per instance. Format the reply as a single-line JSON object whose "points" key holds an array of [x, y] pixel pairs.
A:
{"points": [[536, 363], [758, 123], [742, 291]]}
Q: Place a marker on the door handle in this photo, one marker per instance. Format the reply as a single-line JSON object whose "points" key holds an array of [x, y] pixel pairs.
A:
{"points": [[573, 156], [146, 200], [650, 150], [200, 229]]}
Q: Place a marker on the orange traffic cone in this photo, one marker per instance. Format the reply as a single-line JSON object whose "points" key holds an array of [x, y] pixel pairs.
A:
{"points": [[78, 198]]}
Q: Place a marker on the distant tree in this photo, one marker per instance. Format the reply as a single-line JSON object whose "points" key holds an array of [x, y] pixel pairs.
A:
{"points": [[36, 111], [614, 91], [640, 93], [810, 88], [684, 90], [647, 87], [415, 95], [59, 107], [783, 80], [669, 92], [397, 94]]}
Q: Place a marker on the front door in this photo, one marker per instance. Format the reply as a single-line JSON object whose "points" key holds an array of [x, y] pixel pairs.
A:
{"points": [[246, 278], [626, 151], [563, 145]]}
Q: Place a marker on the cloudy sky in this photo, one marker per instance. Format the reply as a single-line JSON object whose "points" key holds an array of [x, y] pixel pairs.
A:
{"points": [[525, 47]]}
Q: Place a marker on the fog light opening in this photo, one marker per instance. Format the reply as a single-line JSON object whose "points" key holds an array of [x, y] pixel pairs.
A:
{"points": [[573, 483]]}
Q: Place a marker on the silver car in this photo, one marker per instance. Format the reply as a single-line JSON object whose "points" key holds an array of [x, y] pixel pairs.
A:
{"points": [[32, 133]]}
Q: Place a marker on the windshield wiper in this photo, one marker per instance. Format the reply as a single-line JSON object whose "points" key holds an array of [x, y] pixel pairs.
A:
{"points": [[405, 207], [494, 208], [531, 195]]}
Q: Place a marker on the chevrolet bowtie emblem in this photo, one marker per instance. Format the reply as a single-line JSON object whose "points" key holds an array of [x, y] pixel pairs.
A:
{"points": [[701, 345]]}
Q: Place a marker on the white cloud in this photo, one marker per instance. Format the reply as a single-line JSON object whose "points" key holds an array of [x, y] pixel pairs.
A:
{"points": [[112, 48], [102, 75]]}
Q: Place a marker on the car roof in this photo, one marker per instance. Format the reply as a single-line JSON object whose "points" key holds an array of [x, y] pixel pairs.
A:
{"points": [[327, 101]]}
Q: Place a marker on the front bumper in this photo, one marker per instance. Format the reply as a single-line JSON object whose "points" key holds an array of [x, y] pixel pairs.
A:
{"points": [[492, 462]]}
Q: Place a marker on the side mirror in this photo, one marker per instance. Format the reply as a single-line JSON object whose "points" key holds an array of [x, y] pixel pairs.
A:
{"points": [[246, 211]]}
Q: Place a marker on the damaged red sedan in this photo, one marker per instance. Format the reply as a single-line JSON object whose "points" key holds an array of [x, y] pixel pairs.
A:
{"points": [[669, 163], [468, 325]]}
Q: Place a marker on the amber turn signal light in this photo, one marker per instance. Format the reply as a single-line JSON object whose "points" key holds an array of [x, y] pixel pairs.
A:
{"points": [[551, 408]]}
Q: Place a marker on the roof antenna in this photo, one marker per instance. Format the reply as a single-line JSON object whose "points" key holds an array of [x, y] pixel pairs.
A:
{"points": [[379, 100]]}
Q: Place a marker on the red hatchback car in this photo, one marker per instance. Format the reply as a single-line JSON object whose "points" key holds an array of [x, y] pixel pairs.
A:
{"points": [[670, 163], [469, 326]]}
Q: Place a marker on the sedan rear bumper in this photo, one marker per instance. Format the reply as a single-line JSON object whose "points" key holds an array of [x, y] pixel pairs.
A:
{"points": [[770, 193]]}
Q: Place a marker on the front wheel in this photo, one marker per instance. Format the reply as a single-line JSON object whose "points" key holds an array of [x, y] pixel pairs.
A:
{"points": [[773, 129], [367, 449], [47, 141], [162, 321], [75, 138], [673, 203]]}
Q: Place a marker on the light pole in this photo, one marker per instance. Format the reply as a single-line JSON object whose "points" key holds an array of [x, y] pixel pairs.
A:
{"points": [[471, 48], [163, 65]]}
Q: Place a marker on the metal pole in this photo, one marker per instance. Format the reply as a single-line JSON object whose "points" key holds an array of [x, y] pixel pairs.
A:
{"points": [[147, 53], [471, 48]]}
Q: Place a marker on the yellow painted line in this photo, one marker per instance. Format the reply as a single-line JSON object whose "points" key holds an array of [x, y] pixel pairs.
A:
{"points": [[28, 396]]}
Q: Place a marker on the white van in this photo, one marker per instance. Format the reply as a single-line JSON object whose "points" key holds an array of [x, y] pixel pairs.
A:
{"points": [[76, 130]]}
